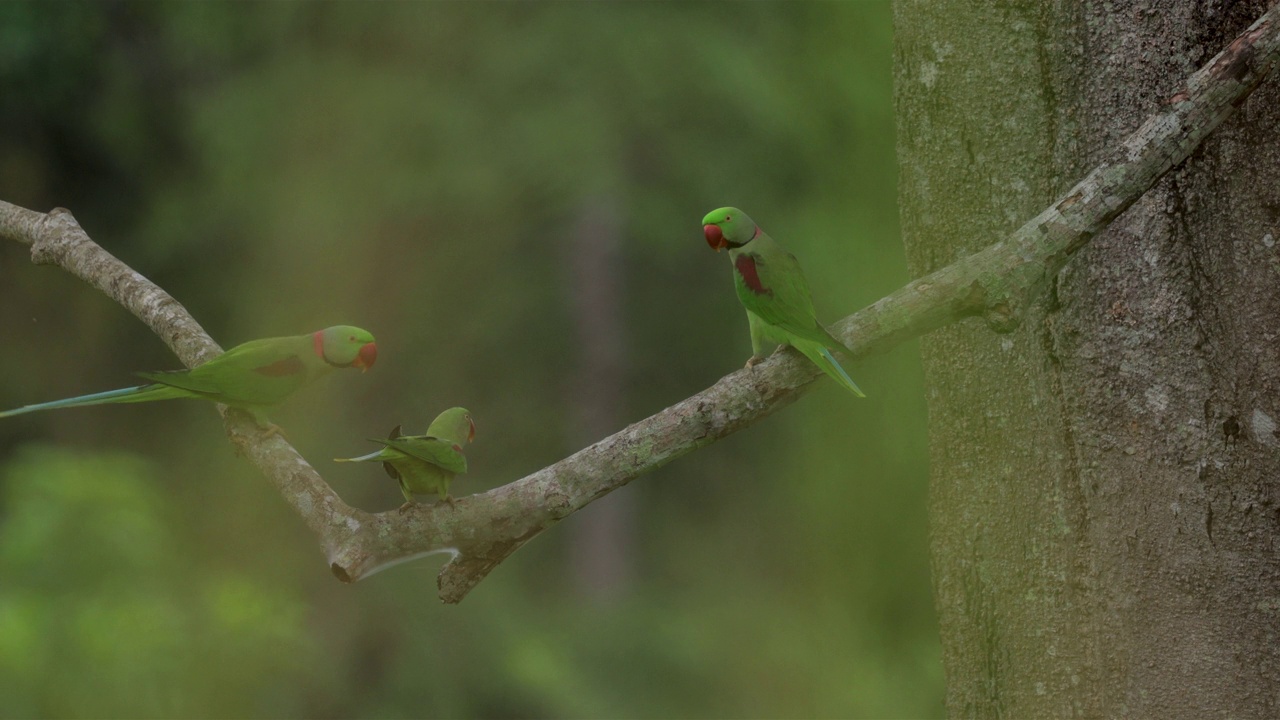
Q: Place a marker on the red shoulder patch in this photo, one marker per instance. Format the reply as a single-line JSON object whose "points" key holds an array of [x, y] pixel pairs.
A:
{"points": [[291, 365], [746, 267]]}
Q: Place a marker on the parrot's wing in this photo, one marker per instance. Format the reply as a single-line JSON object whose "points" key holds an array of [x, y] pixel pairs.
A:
{"points": [[270, 358], [257, 373], [182, 379], [774, 289], [432, 450]]}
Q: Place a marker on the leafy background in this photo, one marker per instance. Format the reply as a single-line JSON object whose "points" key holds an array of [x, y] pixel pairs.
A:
{"points": [[508, 196]]}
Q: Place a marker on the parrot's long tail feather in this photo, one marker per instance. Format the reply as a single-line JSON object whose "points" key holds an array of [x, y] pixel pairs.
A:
{"points": [[141, 393], [362, 458], [825, 360]]}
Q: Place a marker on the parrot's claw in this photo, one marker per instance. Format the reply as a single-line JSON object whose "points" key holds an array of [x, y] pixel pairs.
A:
{"points": [[408, 505], [446, 500], [753, 361], [272, 430]]}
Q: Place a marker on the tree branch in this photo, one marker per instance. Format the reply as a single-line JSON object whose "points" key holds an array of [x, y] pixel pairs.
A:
{"points": [[58, 239], [480, 531]]}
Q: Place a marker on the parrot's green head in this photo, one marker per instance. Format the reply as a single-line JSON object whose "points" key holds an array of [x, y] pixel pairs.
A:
{"points": [[345, 346], [728, 228], [454, 425]]}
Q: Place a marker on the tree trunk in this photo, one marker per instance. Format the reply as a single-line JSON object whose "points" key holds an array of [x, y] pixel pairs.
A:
{"points": [[1104, 485]]}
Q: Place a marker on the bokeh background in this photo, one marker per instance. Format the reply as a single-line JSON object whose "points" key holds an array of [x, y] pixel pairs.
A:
{"points": [[509, 197]]}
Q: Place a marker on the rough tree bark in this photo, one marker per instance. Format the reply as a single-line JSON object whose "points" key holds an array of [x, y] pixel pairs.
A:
{"points": [[1104, 494]]}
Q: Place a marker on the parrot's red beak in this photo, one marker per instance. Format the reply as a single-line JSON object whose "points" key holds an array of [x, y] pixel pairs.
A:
{"points": [[367, 356], [471, 437], [715, 238]]}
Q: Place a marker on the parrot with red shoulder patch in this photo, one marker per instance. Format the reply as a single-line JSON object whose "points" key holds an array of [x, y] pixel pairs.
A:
{"points": [[253, 376], [774, 292]]}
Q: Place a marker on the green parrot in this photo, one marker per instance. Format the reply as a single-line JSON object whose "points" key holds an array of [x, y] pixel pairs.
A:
{"points": [[425, 463], [252, 376], [774, 292]]}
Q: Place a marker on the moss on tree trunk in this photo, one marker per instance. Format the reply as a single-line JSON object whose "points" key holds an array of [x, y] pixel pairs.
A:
{"points": [[1104, 484]]}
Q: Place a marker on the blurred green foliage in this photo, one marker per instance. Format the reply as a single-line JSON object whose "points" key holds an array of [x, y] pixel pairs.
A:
{"points": [[419, 169]]}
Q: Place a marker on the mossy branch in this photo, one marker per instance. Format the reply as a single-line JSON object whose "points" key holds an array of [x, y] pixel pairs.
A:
{"points": [[480, 531]]}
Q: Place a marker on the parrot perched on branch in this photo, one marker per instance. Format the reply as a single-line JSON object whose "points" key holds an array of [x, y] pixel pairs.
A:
{"points": [[425, 463], [252, 376], [774, 292]]}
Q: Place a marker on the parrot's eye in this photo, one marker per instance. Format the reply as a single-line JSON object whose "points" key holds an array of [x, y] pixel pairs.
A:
{"points": [[352, 338], [727, 218]]}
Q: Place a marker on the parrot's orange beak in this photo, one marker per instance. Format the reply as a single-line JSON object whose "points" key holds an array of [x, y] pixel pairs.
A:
{"points": [[471, 437], [715, 238], [367, 356]]}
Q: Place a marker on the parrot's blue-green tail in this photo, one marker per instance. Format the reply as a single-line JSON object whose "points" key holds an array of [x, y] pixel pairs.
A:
{"points": [[362, 458], [141, 393], [825, 360]]}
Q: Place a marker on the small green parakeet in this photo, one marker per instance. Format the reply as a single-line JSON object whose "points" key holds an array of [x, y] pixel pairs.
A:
{"points": [[774, 292], [252, 376], [425, 463]]}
